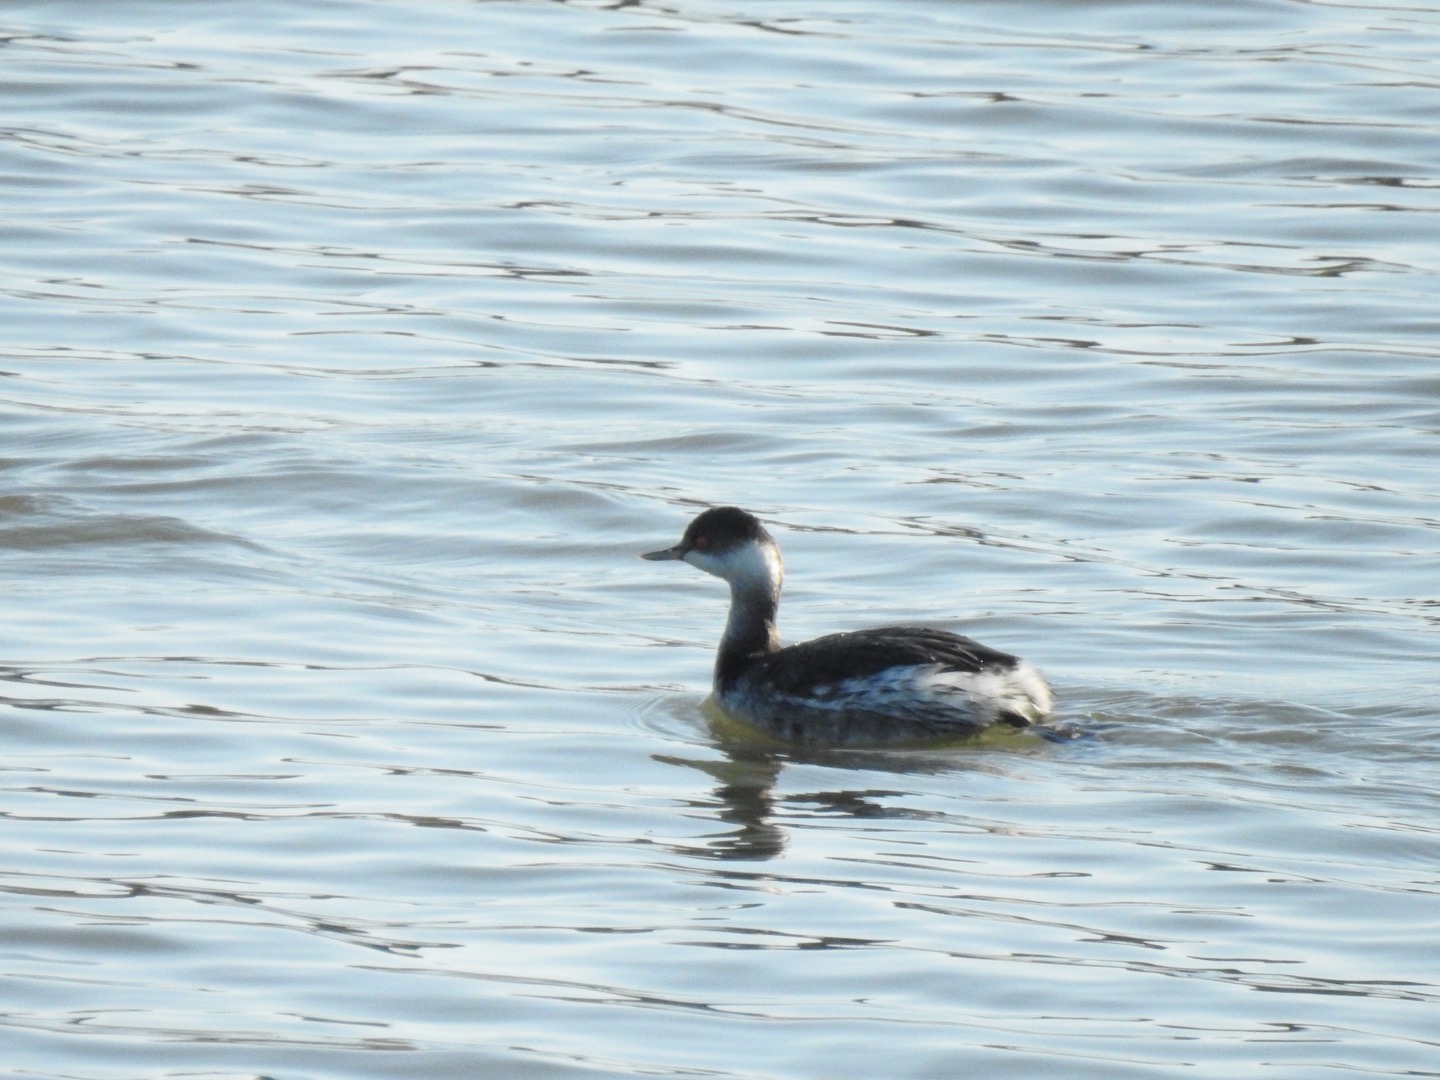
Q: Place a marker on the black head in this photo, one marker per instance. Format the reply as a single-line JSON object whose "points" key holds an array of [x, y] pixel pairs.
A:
{"points": [[716, 532], [723, 529]]}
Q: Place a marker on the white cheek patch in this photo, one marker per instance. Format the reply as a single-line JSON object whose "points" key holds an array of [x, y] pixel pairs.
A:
{"points": [[752, 564]]}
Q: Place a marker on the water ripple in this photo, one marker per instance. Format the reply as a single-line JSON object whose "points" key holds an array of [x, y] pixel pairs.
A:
{"points": [[353, 353]]}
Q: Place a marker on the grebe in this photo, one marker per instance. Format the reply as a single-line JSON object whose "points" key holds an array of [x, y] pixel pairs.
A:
{"points": [[890, 684]]}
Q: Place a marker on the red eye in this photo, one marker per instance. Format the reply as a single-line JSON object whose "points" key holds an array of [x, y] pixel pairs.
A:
{"points": [[702, 542]]}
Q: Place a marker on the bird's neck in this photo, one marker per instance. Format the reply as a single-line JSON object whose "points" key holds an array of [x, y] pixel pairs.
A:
{"points": [[750, 629]]}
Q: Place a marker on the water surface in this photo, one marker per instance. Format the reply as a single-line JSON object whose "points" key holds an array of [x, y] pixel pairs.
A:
{"points": [[353, 350]]}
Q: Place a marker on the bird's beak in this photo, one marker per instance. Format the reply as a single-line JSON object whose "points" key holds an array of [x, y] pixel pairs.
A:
{"points": [[666, 554]]}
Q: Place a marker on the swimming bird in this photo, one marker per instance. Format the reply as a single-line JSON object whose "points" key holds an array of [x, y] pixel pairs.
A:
{"points": [[866, 687]]}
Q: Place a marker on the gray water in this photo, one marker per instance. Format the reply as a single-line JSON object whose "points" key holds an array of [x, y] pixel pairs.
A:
{"points": [[353, 350]]}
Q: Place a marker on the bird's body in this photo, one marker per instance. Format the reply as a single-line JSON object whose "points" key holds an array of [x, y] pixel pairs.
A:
{"points": [[886, 685]]}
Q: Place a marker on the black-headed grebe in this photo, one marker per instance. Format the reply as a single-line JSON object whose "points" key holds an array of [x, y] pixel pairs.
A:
{"points": [[890, 684]]}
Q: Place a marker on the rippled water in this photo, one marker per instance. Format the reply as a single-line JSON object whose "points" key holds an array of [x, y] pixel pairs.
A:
{"points": [[353, 350]]}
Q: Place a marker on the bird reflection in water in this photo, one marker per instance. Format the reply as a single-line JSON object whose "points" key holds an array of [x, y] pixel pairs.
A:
{"points": [[745, 779]]}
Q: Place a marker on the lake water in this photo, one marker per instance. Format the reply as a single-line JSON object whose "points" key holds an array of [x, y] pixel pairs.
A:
{"points": [[352, 351]]}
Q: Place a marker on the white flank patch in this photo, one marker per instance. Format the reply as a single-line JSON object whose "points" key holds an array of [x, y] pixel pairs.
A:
{"points": [[920, 699], [1021, 690]]}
